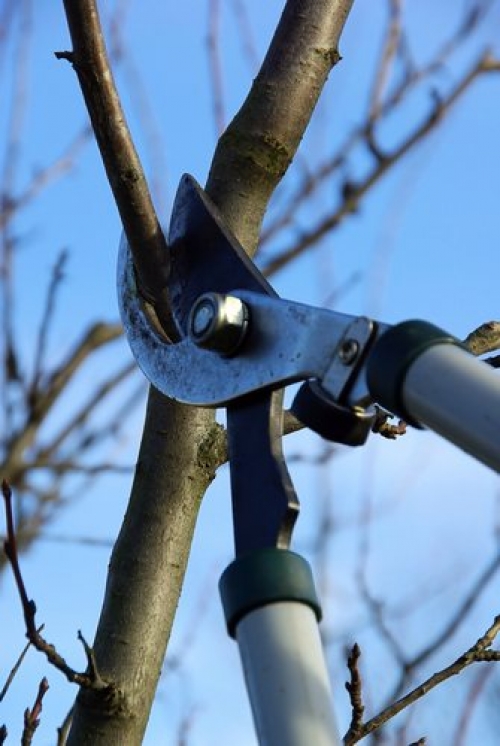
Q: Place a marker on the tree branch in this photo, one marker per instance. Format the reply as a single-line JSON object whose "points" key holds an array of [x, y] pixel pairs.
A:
{"points": [[354, 192], [259, 144], [486, 338], [120, 158], [479, 652], [92, 679], [32, 717]]}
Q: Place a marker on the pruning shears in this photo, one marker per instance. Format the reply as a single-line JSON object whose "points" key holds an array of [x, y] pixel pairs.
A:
{"points": [[239, 345]]}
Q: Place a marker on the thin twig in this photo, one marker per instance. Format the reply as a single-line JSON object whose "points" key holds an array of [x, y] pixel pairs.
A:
{"points": [[47, 317], [64, 728], [479, 652], [16, 668], [354, 687], [382, 165], [456, 621], [90, 680], [389, 52], [215, 66], [471, 701], [32, 717], [245, 35]]}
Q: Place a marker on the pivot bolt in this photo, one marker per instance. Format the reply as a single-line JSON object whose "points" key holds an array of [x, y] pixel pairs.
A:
{"points": [[218, 322], [348, 351]]}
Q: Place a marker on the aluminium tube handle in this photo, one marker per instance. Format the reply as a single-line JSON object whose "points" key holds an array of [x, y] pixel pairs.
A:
{"points": [[272, 611], [428, 378]]}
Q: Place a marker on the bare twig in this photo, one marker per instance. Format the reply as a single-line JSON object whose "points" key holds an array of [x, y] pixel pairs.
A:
{"points": [[260, 142], [121, 161], [389, 52], [47, 317], [32, 717], [3, 734], [45, 176], [383, 163], [98, 335], [479, 652], [460, 614], [458, 618], [90, 680], [383, 427], [486, 338], [213, 45], [245, 32], [64, 728], [355, 694], [475, 691], [15, 668]]}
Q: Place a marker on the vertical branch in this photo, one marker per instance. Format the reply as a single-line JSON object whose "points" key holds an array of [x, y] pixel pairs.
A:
{"points": [[47, 318], [245, 31], [257, 147], [121, 161], [10, 163], [214, 60], [390, 48]]}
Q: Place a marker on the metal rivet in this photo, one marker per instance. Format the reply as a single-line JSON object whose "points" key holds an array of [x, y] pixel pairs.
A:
{"points": [[348, 351]]}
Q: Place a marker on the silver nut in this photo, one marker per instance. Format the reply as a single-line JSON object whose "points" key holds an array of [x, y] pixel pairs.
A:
{"points": [[218, 322]]}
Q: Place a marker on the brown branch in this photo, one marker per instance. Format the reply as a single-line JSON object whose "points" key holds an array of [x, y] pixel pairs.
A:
{"points": [[121, 161], [475, 691], [64, 728], [479, 652], [215, 67], [457, 620], [32, 717], [486, 338], [389, 52], [382, 165], [15, 669], [44, 455], [45, 176], [354, 687], [460, 614], [90, 680], [97, 336], [245, 34], [259, 144], [47, 318]]}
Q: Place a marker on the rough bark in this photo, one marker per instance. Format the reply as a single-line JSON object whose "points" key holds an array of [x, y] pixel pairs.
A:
{"points": [[256, 149], [176, 464], [179, 453]]}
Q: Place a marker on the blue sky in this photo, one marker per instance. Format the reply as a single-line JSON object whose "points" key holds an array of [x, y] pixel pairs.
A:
{"points": [[423, 244]]}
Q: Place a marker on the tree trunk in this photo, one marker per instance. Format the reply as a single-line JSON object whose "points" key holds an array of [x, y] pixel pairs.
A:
{"points": [[182, 446]]}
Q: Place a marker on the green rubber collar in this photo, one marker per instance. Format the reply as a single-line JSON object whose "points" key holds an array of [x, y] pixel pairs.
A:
{"points": [[264, 577], [393, 355]]}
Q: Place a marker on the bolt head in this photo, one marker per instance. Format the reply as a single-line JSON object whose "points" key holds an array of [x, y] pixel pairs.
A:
{"points": [[218, 322]]}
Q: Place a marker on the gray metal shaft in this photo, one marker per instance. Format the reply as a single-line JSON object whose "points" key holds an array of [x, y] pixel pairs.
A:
{"points": [[457, 396], [286, 676]]}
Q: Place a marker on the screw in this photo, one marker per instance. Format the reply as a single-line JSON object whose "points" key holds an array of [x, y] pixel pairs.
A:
{"points": [[348, 351], [218, 322]]}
